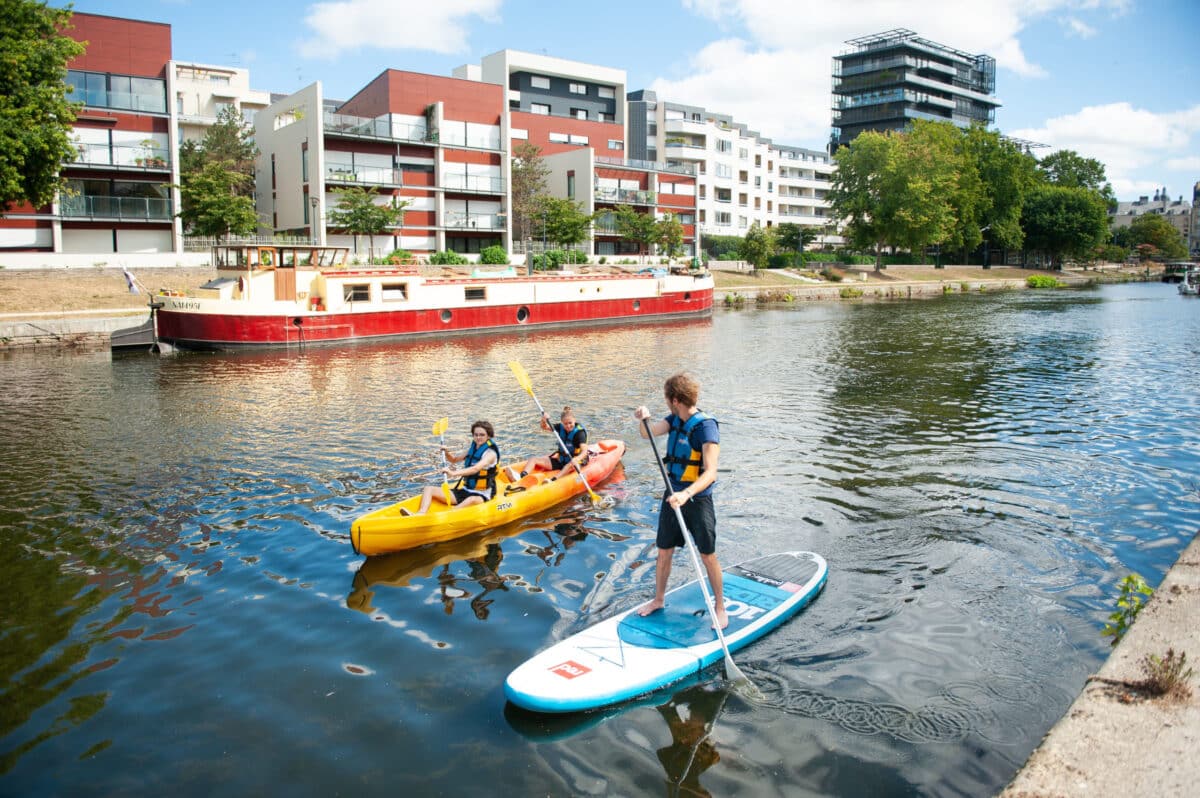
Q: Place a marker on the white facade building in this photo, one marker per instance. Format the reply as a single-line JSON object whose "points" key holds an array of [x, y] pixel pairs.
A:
{"points": [[202, 91]]}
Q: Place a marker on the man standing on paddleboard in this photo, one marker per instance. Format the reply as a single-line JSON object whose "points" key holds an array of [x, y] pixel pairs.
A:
{"points": [[693, 449]]}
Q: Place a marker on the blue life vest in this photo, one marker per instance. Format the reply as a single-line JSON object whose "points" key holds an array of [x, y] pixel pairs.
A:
{"points": [[682, 461], [573, 441], [485, 480]]}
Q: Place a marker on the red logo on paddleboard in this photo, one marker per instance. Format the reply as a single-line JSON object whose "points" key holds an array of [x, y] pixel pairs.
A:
{"points": [[570, 669]]}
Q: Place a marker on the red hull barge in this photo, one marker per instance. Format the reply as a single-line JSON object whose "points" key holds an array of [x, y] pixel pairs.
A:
{"points": [[288, 296]]}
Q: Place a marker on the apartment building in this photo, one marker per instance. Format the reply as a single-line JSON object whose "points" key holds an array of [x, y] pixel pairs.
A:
{"points": [[120, 196], [889, 79], [1176, 211], [203, 91], [576, 114], [742, 177]]}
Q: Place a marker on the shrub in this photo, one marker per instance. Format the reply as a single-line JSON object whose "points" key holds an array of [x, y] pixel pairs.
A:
{"points": [[448, 258], [1167, 674], [494, 255], [1042, 281], [1129, 604], [850, 293], [734, 299], [400, 257], [831, 275], [603, 260], [774, 295]]}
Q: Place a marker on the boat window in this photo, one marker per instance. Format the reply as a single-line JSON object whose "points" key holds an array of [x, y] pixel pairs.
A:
{"points": [[287, 257], [478, 294], [395, 292], [356, 292], [523, 314]]}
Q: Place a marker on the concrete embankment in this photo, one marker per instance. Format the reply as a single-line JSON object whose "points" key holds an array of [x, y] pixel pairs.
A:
{"points": [[1116, 739], [69, 329], [851, 289]]}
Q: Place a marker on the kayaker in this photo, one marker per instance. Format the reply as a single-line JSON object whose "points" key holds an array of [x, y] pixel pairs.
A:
{"points": [[693, 449], [573, 436], [477, 477]]}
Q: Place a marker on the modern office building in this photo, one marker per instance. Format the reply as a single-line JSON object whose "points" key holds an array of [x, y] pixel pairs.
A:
{"points": [[120, 196], [889, 79], [742, 177]]}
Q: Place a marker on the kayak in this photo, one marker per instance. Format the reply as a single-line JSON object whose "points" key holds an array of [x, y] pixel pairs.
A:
{"points": [[388, 529]]}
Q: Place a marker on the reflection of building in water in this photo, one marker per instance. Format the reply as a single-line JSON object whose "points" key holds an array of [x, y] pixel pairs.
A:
{"points": [[690, 715]]}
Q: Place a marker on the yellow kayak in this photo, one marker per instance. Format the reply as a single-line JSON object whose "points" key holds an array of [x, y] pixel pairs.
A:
{"points": [[387, 529]]}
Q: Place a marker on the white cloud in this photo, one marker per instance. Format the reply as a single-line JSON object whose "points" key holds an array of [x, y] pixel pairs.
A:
{"points": [[387, 25], [1129, 141], [1077, 27]]}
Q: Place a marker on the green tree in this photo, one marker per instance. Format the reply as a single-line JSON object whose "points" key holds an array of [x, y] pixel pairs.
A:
{"points": [[858, 195], [640, 228], [940, 189], [227, 145], [1064, 221], [758, 246], [529, 175], [357, 212], [792, 237], [214, 203], [566, 223], [1154, 229], [1070, 169], [1007, 174], [670, 235], [35, 112]]}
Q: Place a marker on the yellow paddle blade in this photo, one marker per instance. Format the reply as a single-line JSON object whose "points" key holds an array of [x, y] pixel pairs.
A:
{"points": [[522, 377], [439, 426]]}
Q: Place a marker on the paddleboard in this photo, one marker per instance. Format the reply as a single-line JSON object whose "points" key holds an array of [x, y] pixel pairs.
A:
{"points": [[628, 655]]}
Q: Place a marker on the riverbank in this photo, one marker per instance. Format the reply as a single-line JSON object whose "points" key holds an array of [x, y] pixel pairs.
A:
{"points": [[1117, 739]]}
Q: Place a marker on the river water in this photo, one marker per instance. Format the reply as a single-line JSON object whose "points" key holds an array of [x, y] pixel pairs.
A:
{"points": [[182, 611]]}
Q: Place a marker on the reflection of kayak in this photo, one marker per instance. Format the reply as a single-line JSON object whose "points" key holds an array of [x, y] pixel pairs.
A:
{"points": [[388, 530], [629, 655]]}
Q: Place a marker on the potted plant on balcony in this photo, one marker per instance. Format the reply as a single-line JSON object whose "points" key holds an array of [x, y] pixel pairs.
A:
{"points": [[150, 156]]}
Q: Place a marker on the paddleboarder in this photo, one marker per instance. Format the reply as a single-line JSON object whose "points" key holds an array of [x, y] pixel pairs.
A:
{"points": [[693, 450]]}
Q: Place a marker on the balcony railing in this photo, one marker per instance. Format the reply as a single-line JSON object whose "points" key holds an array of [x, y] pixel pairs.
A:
{"points": [[135, 156], [627, 196], [370, 177], [361, 126], [653, 166], [482, 184], [93, 206], [475, 221]]}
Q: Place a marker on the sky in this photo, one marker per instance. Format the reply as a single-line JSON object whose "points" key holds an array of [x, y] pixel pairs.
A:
{"points": [[1115, 80]]}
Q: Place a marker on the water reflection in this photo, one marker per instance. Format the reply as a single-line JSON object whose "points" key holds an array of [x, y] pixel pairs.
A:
{"points": [[690, 716]]}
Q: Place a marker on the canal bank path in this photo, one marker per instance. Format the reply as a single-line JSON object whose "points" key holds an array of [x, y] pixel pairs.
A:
{"points": [[1116, 739]]}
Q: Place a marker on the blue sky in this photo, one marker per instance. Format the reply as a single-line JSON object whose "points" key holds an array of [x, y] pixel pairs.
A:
{"points": [[1116, 80]]}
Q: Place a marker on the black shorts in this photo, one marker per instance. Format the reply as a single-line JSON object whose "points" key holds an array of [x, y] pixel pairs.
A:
{"points": [[701, 521], [558, 461], [461, 494]]}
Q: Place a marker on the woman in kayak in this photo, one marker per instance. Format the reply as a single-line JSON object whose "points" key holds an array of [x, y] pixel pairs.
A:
{"points": [[477, 476], [572, 435]]}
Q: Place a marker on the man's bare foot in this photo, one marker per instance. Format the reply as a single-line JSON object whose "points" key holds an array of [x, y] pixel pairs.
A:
{"points": [[722, 619], [649, 607]]}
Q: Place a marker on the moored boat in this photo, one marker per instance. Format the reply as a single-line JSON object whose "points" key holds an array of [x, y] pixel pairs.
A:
{"points": [[296, 295], [389, 529], [1191, 282]]}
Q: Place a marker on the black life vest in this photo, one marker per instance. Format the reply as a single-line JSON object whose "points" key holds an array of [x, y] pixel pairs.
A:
{"points": [[485, 480], [573, 441], [682, 461]]}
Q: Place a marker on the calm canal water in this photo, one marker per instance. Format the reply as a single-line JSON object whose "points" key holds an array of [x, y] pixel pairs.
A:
{"points": [[182, 612]]}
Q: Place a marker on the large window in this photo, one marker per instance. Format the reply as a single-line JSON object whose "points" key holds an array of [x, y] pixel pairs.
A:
{"points": [[539, 108], [577, 88], [125, 92], [539, 82]]}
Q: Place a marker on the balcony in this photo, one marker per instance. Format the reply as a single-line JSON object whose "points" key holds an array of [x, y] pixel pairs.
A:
{"points": [[475, 221], [360, 127], [342, 175], [650, 166], [626, 196], [687, 126], [476, 184], [93, 206], [123, 156]]}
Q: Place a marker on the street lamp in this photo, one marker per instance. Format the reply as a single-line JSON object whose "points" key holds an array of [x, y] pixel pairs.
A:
{"points": [[984, 229], [316, 218]]}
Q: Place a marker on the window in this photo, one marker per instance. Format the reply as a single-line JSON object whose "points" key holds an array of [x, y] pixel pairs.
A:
{"points": [[577, 88], [581, 140], [539, 82], [724, 170], [539, 108], [742, 200], [743, 176], [570, 185], [356, 292], [579, 113], [724, 145], [743, 223], [395, 292], [475, 294], [606, 92], [743, 154], [603, 117], [724, 219], [723, 195], [559, 138], [616, 144]]}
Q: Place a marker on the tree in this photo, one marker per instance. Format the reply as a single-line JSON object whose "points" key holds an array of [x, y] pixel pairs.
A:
{"points": [[215, 203], [792, 237], [1070, 169], [1007, 175], [858, 193], [358, 213], [566, 223], [35, 113], [640, 228], [229, 142], [758, 246], [1154, 229], [1064, 221], [670, 235], [529, 176], [228, 146]]}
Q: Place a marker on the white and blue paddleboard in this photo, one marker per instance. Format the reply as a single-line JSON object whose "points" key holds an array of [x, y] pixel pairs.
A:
{"points": [[629, 655]]}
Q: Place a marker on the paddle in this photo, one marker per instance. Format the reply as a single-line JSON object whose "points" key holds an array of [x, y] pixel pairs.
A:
{"points": [[439, 429], [519, 371], [732, 672]]}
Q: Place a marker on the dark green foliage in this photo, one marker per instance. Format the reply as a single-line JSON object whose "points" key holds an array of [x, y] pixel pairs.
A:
{"points": [[493, 255], [448, 258]]}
